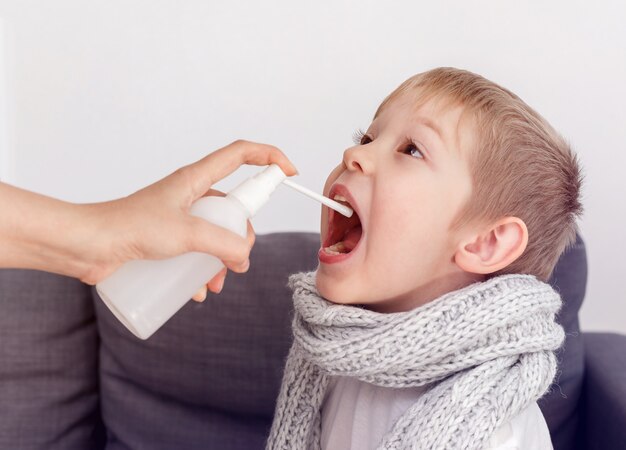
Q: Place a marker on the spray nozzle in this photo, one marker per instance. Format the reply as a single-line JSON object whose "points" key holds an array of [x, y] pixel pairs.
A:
{"points": [[340, 208], [254, 192]]}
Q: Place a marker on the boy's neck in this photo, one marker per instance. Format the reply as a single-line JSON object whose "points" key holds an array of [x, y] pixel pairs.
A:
{"points": [[426, 293]]}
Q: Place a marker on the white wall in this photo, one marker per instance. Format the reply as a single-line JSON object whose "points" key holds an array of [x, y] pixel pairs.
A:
{"points": [[6, 148], [107, 96]]}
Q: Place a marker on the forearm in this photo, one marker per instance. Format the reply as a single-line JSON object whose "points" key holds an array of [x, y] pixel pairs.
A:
{"points": [[39, 232]]}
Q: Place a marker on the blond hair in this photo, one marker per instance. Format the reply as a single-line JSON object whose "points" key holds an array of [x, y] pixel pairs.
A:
{"points": [[537, 175]]}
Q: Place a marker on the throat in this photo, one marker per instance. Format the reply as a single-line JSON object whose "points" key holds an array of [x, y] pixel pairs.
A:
{"points": [[352, 237], [348, 242]]}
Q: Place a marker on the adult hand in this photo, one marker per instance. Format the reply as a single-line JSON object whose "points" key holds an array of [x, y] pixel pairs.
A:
{"points": [[90, 241]]}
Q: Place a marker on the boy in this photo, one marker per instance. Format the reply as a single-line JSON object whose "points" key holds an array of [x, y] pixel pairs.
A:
{"points": [[428, 323]]}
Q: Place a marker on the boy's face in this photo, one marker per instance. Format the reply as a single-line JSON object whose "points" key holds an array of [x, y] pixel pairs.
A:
{"points": [[406, 182]]}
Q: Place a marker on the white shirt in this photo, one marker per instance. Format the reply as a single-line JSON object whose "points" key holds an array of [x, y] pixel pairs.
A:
{"points": [[356, 415]]}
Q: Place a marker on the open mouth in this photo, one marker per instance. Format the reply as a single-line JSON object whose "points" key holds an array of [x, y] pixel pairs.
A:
{"points": [[344, 233]]}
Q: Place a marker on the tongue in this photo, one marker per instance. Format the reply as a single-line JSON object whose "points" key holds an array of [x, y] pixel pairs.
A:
{"points": [[352, 238]]}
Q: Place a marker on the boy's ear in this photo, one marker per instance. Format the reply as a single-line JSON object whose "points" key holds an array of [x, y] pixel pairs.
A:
{"points": [[494, 249]]}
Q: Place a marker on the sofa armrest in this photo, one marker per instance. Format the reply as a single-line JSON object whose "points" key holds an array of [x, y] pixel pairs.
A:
{"points": [[48, 363], [604, 390]]}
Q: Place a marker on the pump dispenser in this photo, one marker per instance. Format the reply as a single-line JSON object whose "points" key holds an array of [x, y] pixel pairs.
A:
{"points": [[144, 294], [254, 192]]}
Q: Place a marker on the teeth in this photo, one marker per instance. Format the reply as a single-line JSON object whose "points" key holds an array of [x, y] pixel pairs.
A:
{"points": [[336, 249], [340, 198]]}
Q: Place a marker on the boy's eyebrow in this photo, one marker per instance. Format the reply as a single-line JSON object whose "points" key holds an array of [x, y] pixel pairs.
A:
{"points": [[430, 124]]}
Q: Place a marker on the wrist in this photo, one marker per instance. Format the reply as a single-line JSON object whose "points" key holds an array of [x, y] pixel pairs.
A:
{"points": [[68, 241], [91, 250]]}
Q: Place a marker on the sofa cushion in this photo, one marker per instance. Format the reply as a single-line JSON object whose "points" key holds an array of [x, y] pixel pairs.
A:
{"points": [[605, 391], [48, 363], [560, 405]]}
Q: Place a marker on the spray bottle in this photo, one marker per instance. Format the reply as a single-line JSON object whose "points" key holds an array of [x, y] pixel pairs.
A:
{"points": [[144, 294]]}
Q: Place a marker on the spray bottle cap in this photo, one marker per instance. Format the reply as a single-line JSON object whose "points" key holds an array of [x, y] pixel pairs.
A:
{"points": [[254, 192]]}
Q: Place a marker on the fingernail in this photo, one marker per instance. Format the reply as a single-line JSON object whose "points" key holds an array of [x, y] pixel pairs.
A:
{"points": [[221, 286]]}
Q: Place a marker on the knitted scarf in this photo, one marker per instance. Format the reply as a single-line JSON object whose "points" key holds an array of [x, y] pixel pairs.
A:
{"points": [[486, 351]]}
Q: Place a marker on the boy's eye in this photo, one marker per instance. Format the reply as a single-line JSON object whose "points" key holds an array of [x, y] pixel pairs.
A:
{"points": [[411, 149], [360, 138]]}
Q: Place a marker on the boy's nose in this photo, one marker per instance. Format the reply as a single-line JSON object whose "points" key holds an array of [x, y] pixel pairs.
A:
{"points": [[358, 159]]}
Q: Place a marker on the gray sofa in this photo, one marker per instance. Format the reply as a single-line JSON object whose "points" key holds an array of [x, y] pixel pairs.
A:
{"points": [[72, 377]]}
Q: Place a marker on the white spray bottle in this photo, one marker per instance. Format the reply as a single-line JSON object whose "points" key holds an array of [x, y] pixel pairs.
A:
{"points": [[144, 294]]}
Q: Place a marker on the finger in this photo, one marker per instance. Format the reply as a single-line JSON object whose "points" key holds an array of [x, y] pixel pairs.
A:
{"points": [[217, 282], [215, 193], [203, 236], [200, 296], [238, 266], [226, 160], [250, 235]]}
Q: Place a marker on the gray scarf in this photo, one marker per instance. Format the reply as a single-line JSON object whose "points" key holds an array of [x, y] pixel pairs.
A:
{"points": [[487, 349]]}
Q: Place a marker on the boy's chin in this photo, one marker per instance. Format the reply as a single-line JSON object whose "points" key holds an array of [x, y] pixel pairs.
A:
{"points": [[336, 291]]}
